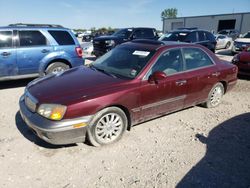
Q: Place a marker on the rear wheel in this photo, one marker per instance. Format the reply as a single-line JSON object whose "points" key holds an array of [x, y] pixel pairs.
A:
{"points": [[215, 96], [107, 126], [56, 67], [228, 45]]}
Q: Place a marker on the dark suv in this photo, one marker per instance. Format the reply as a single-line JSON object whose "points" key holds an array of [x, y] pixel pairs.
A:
{"points": [[105, 43], [30, 50], [196, 36]]}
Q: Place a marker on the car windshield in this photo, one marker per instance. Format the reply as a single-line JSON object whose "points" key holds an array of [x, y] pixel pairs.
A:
{"points": [[223, 32], [124, 33], [174, 36], [123, 62], [246, 35]]}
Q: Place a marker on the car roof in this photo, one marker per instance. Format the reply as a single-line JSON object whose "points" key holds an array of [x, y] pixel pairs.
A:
{"points": [[155, 45], [188, 30], [33, 26], [137, 28]]}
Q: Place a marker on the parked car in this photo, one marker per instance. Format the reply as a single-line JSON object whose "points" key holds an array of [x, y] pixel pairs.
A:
{"points": [[223, 41], [233, 33], [241, 43], [132, 83], [105, 43], [87, 48], [242, 61], [87, 38], [29, 50], [196, 36]]}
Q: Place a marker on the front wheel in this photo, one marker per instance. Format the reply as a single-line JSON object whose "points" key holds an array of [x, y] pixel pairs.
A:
{"points": [[107, 126], [215, 96]]}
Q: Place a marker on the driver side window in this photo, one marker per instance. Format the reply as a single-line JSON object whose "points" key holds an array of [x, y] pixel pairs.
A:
{"points": [[170, 62]]}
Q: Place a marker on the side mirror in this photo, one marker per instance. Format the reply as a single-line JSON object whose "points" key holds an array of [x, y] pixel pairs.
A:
{"points": [[133, 37], [156, 77]]}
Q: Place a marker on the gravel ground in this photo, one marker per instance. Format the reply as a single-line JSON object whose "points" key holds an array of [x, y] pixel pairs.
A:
{"points": [[196, 146]]}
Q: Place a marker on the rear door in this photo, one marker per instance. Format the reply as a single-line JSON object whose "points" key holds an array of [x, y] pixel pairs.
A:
{"points": [[33, 47], [202, 74], [8, 65], [166, 95]]}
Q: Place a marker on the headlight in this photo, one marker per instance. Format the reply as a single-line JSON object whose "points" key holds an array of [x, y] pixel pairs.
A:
{"points": [[110, 42], [52, 111]]}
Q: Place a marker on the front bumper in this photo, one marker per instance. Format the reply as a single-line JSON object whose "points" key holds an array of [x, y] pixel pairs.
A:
{"points": [[55, 132]]}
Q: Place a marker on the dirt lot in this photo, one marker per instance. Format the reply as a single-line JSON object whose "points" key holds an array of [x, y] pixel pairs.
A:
{"points": [[196, 146]]}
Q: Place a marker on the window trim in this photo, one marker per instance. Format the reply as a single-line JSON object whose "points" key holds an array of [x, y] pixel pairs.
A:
{"points": [[54, 30], [198, 68], [18, 40], [146, 76]]}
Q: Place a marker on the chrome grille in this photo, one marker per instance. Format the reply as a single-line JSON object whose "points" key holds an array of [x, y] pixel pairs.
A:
{"points": [[30, 102]]}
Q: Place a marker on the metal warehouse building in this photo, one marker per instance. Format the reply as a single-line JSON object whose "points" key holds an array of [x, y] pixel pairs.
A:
{"points": [[239, 21]]}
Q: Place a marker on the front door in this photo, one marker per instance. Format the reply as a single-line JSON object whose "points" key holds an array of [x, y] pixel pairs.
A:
{"points": [[7, 54], [33, 47], [165, 95]]}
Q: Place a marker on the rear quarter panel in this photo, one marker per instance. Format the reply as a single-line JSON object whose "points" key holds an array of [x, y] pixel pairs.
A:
{"points": [[228, 74]]}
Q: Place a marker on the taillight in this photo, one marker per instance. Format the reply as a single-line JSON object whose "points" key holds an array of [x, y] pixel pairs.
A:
{"points": [[79, 51]]}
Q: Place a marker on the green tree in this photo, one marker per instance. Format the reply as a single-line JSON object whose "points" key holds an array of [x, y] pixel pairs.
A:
{"points": [[169, 13]]}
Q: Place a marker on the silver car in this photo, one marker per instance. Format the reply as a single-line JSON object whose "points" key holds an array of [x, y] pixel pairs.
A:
{"points": [[223, 41]]}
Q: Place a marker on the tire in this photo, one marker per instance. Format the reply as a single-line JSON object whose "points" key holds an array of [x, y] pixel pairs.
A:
{"points": [[215, 96], [56, 67], [228, 45], [107, 126]]}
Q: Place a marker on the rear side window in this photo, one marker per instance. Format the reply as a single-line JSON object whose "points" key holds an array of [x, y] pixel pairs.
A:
{"points": [[144, 33], [201, 36], [5, 39], [62, 37], [191, 37], [32, 38], [196, 58], [209, 36]]}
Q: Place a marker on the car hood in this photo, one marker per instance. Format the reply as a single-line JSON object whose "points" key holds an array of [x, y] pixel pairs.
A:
{"points": [[72, 85], [243, 40]]}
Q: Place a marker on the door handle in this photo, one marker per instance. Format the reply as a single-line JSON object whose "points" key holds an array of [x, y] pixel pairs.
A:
{"points": [[181, 82], [5, 54], [45, 51], [216, 74]]}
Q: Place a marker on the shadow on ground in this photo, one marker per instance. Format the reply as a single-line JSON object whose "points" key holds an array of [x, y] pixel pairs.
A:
{"points": [[227, 160], [227, 52], [15, 83], [243, 77], [28, 134]]}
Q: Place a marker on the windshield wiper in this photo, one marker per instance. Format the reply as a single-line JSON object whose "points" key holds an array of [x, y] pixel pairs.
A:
{"points": [[102, 70]]}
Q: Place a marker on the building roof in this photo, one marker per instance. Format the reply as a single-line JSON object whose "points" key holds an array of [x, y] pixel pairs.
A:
{"points": [[228, 14]]}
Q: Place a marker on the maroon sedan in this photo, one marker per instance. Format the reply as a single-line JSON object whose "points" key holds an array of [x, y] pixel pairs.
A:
{"points": [[132, 83], [242, 61]]}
